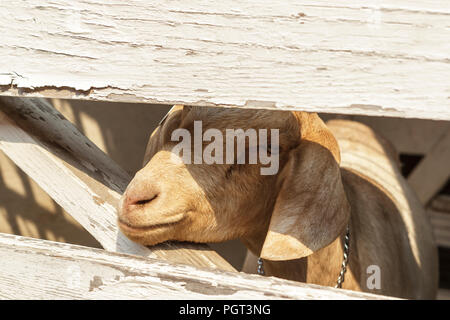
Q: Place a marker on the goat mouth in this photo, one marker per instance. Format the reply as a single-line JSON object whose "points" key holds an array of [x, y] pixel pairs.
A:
{"points": [[128, 228]]}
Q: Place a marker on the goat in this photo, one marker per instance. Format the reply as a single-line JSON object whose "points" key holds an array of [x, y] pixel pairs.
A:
{"points": [[295, 220]]}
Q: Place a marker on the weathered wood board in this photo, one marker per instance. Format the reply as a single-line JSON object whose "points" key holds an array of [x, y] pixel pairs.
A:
{"points": [[80, 177], [39, 269], [383, 57]]}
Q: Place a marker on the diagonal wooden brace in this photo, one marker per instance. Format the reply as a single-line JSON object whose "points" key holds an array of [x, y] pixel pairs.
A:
{"points": [[80, 177]]}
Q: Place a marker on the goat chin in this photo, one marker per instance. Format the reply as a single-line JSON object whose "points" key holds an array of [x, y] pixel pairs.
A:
{"points": [[147, 236]]}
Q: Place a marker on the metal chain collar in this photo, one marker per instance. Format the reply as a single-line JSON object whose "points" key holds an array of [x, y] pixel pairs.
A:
{"points": [[345, 261], [341, 277]]}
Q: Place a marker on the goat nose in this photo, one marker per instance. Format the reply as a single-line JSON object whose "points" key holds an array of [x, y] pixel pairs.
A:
{"points": [[138, 198], [140, 201]]}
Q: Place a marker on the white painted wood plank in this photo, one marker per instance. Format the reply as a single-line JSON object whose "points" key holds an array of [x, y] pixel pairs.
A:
{"points": [[379, 57], [80, 177], [39, 269], [433, 171]]}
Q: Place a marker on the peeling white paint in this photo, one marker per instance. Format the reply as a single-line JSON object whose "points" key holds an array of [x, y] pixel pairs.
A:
{"points": [[105, 275], [387, 58]]}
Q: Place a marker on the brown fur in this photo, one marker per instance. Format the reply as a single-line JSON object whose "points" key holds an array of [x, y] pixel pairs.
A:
{"points": [[296, 219]]}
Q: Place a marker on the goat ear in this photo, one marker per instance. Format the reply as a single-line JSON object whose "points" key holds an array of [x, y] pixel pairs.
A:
{"points": [[158, 135], [311, 209]]}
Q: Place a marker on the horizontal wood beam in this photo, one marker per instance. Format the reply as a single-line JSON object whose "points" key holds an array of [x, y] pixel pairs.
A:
{"points": [[80, 177], [39, 269], [359, 57]]}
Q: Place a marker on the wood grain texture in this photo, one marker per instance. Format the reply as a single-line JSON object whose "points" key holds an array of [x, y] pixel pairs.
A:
{"points": [[39, 269], [382, 57], [80, 177]]}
